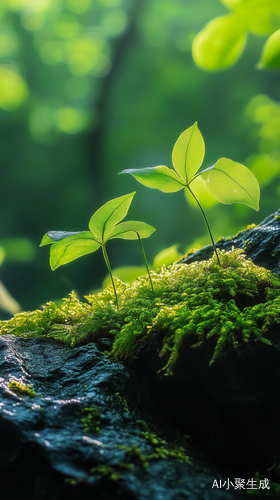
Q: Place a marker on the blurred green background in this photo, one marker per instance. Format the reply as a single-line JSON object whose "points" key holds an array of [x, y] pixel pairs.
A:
{"points": [[91, 87]]}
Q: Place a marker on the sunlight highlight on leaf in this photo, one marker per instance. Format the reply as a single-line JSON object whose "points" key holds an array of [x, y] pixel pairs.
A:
{"points": [[67, 250], [128, 230], [106, 217], [104, 225], [188, 153], [161, 178], [231, 182]]}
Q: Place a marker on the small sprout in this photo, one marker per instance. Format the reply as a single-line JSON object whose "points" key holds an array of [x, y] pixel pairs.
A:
{"points": [[228, 181], [104, 225]]}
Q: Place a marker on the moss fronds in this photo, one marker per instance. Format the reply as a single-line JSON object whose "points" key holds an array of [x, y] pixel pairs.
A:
{"points": [[161, 450], [234, 303], [103, 472], [20, 388], [123, 402], [91, 421]]}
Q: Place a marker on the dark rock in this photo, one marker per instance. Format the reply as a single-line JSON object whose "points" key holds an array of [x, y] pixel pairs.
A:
{"points": [[44, 441]]}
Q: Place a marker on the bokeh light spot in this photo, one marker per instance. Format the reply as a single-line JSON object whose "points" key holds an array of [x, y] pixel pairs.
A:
{"points": [[8, 43], [110, 3], [41, 122], [67, 27], [71, 120], [86, 56], [13, 88], [32, 20], [265, 167], [78, 6], [115, 22], [51, 52], [18, 249], [29, 4]]}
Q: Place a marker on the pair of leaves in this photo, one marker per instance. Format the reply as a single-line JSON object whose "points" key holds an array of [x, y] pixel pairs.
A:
{"points": [[228, 181], [104, 225], [187, 157]]}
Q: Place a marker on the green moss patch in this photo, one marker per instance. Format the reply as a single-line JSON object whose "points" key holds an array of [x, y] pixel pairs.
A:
{"points": [[234, 303], [20, 388]]}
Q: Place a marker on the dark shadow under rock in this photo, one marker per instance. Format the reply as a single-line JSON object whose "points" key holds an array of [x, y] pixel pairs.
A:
{"points": [[231, 408], [95, 424]]}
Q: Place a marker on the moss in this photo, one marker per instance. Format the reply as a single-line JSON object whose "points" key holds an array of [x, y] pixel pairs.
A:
{"points": [[161, 451], [122, 401], [234, 303], [105, 472], [19, 387], [91, 421]]}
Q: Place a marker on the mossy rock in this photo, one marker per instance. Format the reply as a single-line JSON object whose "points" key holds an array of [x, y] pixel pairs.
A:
{"points": [[206, 341], [234, 303]]}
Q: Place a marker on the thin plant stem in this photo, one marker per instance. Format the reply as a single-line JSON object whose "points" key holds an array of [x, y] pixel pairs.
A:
{"points": [[106, 258], [146, 263], [208, 227]]}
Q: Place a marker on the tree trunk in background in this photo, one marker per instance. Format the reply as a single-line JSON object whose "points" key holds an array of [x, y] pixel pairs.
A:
{"points": [[96, 139]]}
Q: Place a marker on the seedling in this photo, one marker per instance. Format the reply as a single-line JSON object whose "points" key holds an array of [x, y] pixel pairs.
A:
{"points": [[104, 225], [228, 181]]}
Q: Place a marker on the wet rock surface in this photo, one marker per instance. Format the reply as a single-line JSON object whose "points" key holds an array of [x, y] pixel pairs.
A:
{"points": [[45, 442]]}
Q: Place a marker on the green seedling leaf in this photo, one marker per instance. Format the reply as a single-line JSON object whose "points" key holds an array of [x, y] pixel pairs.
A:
{"points": [[230, 182], [188, 153], [270, 57], [107, 216], [130, 230], [161, 177], [52, 236], [220, 43], [71, 248], [104, 225]]}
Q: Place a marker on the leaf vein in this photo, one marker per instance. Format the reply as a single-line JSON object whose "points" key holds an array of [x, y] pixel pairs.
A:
{"points": [[231, 178]]}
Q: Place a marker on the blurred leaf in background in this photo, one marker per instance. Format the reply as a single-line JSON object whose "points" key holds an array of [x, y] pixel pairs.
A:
{"points": [[219, 46], [222, 41], [127, 274]]}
